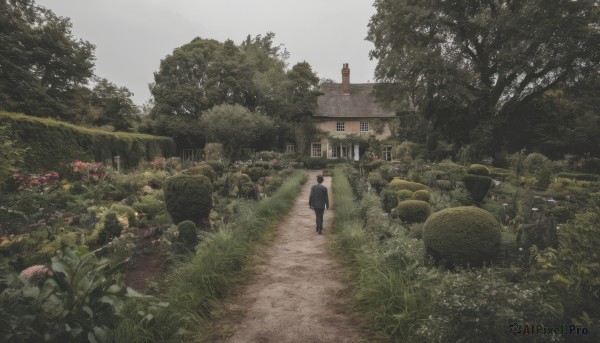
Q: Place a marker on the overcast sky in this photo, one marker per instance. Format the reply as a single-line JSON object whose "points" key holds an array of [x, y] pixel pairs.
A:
{"points": [[132, 36]]}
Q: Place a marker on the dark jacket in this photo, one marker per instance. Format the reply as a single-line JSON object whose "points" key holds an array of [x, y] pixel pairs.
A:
{"points": [[318, 197]]}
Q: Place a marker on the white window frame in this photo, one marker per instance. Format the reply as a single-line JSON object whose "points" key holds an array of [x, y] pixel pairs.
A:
{"points": [[364, 126], [313, 149], [386, 153], [334, 152], [340, 126], [291, 149]]}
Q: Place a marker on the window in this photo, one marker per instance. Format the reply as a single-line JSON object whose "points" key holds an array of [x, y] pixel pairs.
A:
{"points": [[344, 151], [387, 153], [291, 149], [364, 126], [315, 150], [340, 151], [339, 126]]}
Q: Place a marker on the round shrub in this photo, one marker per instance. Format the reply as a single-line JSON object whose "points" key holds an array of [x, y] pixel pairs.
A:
{"points": [[399, 184], [188, 197], [478, 169], [404, 194], [376, 165], [389, 200], [377, 181], [187, 232], [256, 173], [422, 195], [462, 235], [206, 170], [534, 161], [245, 187], [477, 186], [413, 211], [445, 185], [217, 166]]}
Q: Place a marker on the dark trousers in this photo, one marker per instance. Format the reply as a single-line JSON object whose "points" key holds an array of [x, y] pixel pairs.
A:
{"points": [[319, 213]]}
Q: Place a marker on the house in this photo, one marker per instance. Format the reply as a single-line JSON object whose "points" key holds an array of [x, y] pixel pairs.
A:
{"points": [[346, 111]]}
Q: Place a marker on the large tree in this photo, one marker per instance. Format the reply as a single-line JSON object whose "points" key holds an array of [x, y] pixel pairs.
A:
{"points": [[235, 127], [468, 65], [206, 73], [109, 104], [42, 66]]}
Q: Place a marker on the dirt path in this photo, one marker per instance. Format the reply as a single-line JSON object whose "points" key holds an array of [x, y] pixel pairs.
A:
{"points": [[296, 295]]}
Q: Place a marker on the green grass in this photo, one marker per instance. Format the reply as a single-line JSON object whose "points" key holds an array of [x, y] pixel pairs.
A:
{"points": [[392, 282], [195, 290]]}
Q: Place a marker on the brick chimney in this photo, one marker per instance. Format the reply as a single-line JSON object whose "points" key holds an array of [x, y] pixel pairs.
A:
{"points": [[346, 79]]}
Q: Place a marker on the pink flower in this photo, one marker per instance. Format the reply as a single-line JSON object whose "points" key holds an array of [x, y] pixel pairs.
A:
{"points": [[34, 271]]}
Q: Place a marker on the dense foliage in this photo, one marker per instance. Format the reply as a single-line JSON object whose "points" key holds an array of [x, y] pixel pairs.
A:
{"points": [[471, 66], [48, 142], [43, 66], [188, 197], [205, 73]]}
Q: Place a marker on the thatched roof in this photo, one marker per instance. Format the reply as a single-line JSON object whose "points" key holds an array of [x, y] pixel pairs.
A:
{"points": [[358, 104]]}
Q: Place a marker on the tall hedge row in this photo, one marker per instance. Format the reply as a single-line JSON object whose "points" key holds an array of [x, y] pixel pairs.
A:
{"points": [[51, 141]]}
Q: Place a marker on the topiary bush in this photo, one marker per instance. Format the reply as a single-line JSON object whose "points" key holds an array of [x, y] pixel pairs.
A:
{"points": [[399, 184], [206, 170], [478, 169], [188, 197], [464, 235], [404, 194], [187, 232], [112, 228], [534, 161], [256, 173], [377, 181], [413, 211], [477, 181], [422, 195], [217, 166], [477, 186], [389, 200]]}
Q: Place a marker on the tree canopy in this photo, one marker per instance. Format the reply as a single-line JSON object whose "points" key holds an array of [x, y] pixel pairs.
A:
{"points": [[235, 127], [42, 66], [469, 66], [206, 73]]}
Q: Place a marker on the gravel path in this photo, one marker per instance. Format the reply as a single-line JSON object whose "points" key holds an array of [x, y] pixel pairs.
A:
{"points": [[298, 292]]}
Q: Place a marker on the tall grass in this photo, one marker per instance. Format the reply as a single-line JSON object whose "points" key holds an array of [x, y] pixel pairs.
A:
{"points": [[196, 289], [393, 282]]}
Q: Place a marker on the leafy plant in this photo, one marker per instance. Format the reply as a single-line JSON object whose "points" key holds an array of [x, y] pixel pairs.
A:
{"points": [[78, 302]]}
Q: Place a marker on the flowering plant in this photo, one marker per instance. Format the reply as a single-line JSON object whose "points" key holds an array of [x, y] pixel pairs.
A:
{"points": [[89, 171], [36, 181]]}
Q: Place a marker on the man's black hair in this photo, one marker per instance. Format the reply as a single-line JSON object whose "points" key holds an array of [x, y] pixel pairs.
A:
{"points": [[319, 179]]}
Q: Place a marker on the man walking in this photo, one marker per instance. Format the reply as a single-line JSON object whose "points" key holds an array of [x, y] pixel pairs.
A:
{"points": [[319, 201]]}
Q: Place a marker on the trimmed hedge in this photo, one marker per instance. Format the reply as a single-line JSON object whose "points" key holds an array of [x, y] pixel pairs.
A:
{"points": [[579, 176], [377, 181], [477, 186], [477, 181], [187, 232], [188, 197], [462, 235], [206, 170], [399, 184], [422, 195], [478, 169], [413, 211], [51, 141]]}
